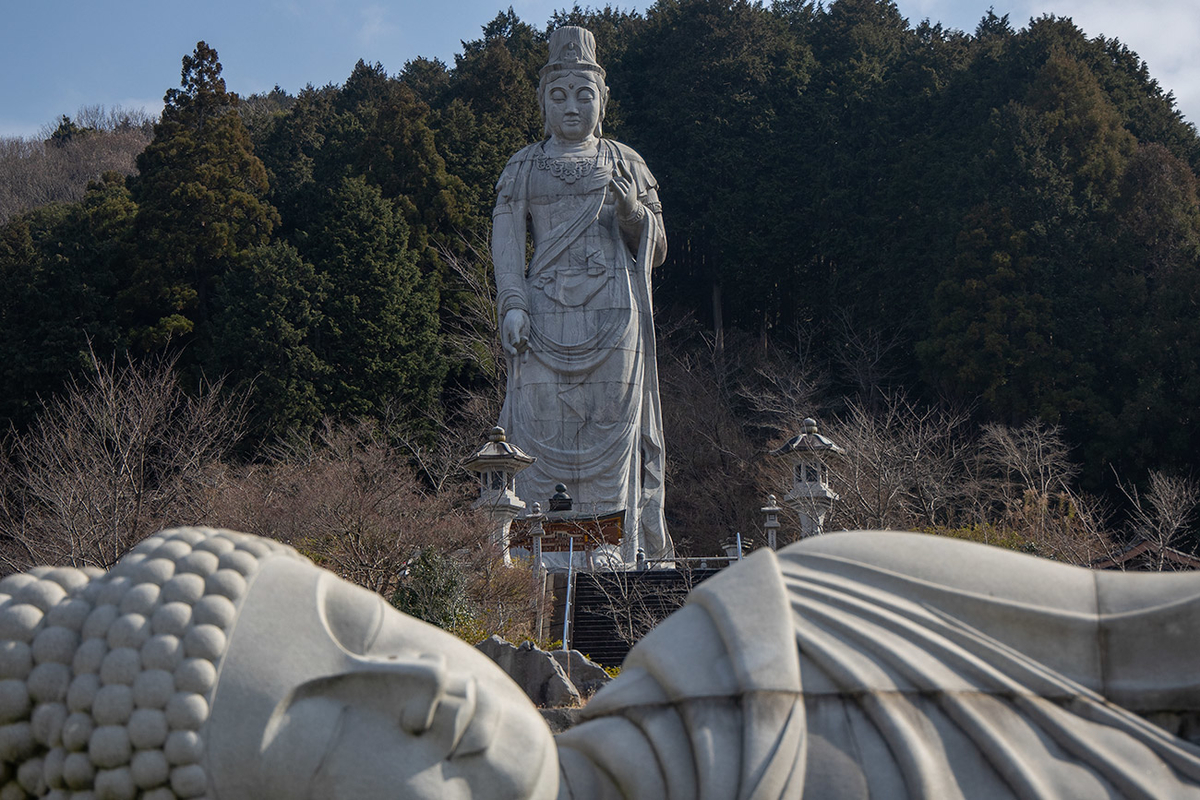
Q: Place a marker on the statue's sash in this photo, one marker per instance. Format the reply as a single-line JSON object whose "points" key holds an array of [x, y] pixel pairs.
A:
{"points": [[565, 233]]}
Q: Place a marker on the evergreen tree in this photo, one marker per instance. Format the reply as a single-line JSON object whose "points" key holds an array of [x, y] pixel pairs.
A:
{"points": [[265, 329], [201, 204], [378, 340], [994, 335], [708, 82], [61, 266]]}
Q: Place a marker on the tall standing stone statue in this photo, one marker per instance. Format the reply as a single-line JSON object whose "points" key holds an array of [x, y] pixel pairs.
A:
{"points": [[576, 316]]}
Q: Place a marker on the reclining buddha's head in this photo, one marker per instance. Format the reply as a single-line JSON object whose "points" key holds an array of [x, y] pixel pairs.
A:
{"points": [[329, 691], [211, 663]]}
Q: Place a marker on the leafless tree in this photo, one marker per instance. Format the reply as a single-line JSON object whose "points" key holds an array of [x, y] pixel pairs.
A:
{"points": [[347, 497], [471, 410], [1031, 475], [1032, 457], [119, 455], [867, 357], [34, 173], [473, 334], [504, 598], [635, 603], [903, 467], [780, 390], [712, 467], [1163, 514]]}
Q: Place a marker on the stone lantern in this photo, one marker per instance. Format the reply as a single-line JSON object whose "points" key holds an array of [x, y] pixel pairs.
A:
{"points": [[771, 524], [810, 497], [497, 464]]}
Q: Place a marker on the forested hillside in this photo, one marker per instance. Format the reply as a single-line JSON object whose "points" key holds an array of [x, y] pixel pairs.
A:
{"points": [[875, 222]]}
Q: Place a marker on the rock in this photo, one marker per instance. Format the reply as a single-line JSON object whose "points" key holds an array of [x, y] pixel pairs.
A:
{"points": [[561, 719], [587, 675], [534, 670]]}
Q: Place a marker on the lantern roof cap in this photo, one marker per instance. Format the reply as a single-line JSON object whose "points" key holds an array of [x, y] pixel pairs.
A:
{"points": [[498, 450], [809, 441], [560, 500]]}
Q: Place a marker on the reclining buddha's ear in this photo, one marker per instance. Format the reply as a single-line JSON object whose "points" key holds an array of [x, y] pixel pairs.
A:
{"points": [[408, 690], [310, 721], [393, 703]]}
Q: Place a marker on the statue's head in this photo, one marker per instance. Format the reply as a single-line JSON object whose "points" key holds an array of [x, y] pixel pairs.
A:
{"points": [[572, 93], [328, 691], [211, 663]]}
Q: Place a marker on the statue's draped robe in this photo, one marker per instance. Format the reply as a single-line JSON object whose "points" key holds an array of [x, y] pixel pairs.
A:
{"points": [[584, 399], [836, 672]]}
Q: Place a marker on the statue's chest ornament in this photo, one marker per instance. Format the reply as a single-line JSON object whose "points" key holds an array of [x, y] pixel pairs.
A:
{"points": [[567, 169]]}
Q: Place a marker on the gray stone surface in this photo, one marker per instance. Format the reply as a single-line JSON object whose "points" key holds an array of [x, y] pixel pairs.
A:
{"points": [[587, 676], [536, 671], [213, 664], [561, 719], [576, 317], [873, 664], [883, 664]]}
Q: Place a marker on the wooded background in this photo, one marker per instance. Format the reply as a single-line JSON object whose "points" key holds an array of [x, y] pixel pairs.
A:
{"points": [[974, 256]]}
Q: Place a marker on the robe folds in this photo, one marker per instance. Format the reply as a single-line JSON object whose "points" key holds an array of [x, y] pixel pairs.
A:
{"points": [[584, 399], [892, 665]]}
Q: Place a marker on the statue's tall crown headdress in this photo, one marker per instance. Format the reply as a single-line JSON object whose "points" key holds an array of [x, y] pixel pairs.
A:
{"points": [[572, 48]]}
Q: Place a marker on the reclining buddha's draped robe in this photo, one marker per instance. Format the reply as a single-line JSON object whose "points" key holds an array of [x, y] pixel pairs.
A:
{"points": [[889, 665]]}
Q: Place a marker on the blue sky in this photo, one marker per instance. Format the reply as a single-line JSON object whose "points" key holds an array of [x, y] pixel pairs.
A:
{"points": [[59, 55]]}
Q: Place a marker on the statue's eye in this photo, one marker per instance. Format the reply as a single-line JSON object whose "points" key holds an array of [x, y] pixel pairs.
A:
{"points": [[586, 95], [558, 95]]}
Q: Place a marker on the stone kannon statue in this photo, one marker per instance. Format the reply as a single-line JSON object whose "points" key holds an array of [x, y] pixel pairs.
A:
{"points": [[575, 317], [213, 664]]}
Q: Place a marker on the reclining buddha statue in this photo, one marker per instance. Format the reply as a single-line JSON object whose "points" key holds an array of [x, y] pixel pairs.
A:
{"points": [[209, 663]]}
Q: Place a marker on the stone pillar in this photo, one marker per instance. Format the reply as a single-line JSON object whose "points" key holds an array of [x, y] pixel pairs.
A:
{"points": [[771, 525]]}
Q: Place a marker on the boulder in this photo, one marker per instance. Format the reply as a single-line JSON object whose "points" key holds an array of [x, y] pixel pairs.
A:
{"points": [[534, 670], [587, 675], [561, 719]]}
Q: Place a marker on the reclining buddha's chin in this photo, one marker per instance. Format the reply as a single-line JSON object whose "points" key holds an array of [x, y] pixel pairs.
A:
{"points": [[355, 699]]}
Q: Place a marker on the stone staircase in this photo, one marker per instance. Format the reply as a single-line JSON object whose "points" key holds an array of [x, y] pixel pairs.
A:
{"points": [[600, 598]]}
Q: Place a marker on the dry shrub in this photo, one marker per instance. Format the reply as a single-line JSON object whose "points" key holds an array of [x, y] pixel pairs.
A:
{"points": [[711, 463], [34, 173], [348, 498], [119, 455]]}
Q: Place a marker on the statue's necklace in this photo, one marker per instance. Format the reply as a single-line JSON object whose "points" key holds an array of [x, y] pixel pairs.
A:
{"points": [[567, 169]]}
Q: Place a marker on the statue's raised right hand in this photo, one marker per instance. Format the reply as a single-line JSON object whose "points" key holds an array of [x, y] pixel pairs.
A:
{"points": [[514, 332]]}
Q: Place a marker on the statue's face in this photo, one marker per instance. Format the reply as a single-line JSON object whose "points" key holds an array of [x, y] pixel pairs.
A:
{"points": [[370, 703], [573, 103]]}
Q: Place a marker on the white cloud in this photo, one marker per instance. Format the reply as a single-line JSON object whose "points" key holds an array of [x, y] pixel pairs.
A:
{"points": [[1162, 32], [375, 28]]}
